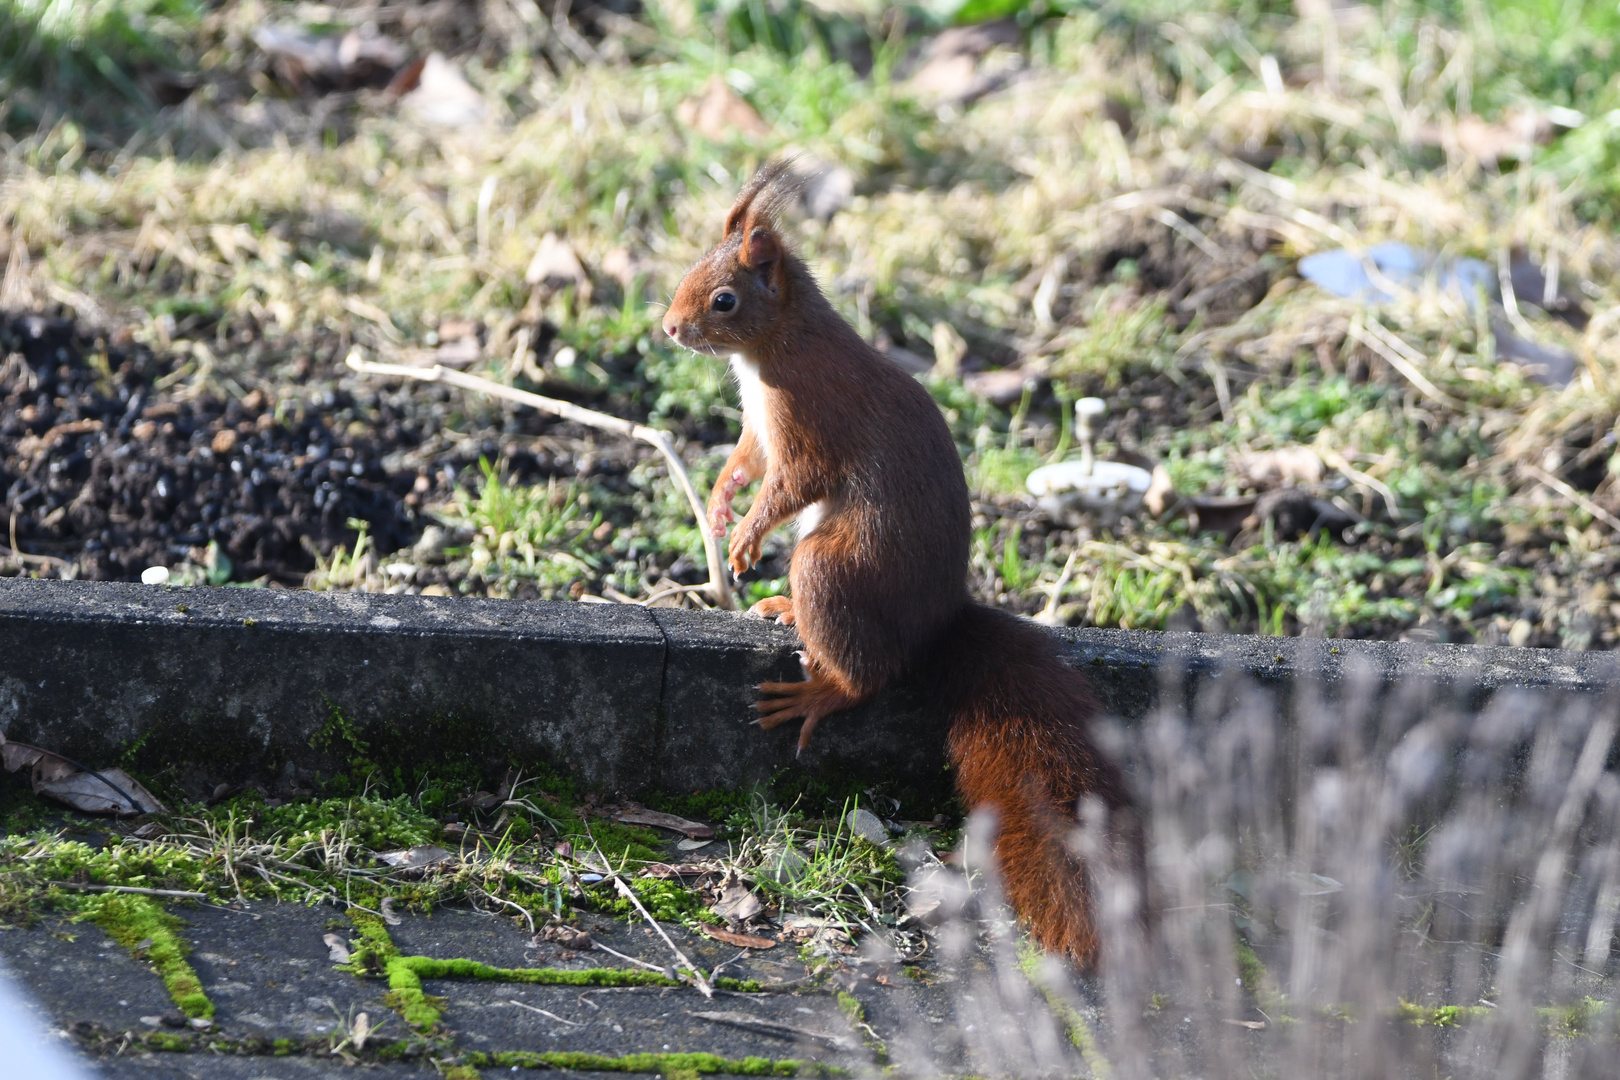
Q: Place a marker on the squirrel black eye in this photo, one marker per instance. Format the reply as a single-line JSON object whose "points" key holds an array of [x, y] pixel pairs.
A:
{"points": [[724, 301]]}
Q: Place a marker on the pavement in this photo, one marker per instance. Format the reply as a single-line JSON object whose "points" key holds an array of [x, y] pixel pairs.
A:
{"points": [[270, 976]]}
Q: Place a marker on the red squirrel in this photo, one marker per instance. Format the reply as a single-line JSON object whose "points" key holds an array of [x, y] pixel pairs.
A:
{"points": [[853, 447]]}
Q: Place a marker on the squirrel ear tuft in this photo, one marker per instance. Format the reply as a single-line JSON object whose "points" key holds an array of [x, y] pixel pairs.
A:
{"points": [[761, 248], [767, 187]]}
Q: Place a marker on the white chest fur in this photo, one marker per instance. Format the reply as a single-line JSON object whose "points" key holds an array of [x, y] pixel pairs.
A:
{"points": [[752, 392]]}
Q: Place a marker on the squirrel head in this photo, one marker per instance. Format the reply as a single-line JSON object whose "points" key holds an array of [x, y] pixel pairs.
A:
{"points": [[736, 293]]}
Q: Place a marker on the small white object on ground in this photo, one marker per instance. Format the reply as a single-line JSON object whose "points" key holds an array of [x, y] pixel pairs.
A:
{"points": [[155, 575], [1105, 485]]}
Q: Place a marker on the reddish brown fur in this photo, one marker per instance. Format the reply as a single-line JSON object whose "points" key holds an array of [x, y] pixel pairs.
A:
{"points": [[879, 586]]}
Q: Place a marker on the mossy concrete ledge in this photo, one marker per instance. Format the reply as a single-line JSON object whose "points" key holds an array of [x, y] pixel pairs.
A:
{"points": [[228, 685]]}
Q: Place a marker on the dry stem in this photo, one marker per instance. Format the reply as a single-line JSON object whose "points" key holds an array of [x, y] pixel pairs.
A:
{"points": [[718, 588]]}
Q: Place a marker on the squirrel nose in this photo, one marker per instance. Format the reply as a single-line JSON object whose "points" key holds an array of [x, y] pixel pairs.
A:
{"points": [[672, 329]]}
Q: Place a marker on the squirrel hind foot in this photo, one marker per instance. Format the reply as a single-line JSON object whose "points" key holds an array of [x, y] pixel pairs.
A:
{"points": [[812, 699], [779, 608]]}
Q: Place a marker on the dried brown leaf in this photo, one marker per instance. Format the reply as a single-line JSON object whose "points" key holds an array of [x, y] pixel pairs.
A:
{"points": [[339, 949], [742, 941], [110, 791], [416, 858], [694, 830]]}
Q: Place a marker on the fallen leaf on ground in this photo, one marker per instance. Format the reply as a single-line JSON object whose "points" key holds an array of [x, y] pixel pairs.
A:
{"points": [[867, 825], [742, 941], [1515, 136], [951, 64], [460, 353], [694, 830], [1286, 465], [109, 791], [46, 765], [416, 858], [555, 264], [719, 111], [1003, 386], [339, 949], [623, 266], [825, 187], [387, 909], [443, 97], [330, 61], [737, 904], [361, 1031], [692, 845]]}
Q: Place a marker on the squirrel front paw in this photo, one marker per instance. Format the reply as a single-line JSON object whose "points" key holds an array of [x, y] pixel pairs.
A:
{"points": [[744, 553], [720, 512], [720, 516]]}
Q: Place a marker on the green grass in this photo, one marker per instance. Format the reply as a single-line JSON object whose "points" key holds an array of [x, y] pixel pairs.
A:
{"points": [[74, 48]]}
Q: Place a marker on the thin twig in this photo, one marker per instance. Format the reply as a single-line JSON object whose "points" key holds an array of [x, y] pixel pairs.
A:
{"points": [[1372, 336], [630, 959], [697, 973], [630, 894], [1190, 232], [1048, 615], [542, 1012], [1574, 496], [1338, 461], [14, 552], [521, 910], [719, 588], [674, 590], [762, 1026], [177, 894], [1510, 301]]}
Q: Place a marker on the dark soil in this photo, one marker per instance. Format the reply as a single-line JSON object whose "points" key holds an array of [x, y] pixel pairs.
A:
{"points": [[102, 469]]}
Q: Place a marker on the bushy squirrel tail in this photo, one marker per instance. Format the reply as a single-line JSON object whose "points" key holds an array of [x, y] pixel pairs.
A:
{"points": [[1020, 745]]}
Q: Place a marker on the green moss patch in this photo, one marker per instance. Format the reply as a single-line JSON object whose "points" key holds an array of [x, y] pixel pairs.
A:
{"points": [[374, 953], [143, 927], [1438, 1015]]}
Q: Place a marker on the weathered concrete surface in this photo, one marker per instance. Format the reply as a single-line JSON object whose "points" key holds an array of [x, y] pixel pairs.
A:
{"points": [[267, 970], [246, 683]]}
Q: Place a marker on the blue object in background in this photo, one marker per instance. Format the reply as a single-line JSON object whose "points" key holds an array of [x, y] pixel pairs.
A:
{"points": [[1344, 273]]}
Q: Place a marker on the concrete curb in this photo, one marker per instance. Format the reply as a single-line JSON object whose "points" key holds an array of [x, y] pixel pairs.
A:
{"points": [[285, 687]]}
